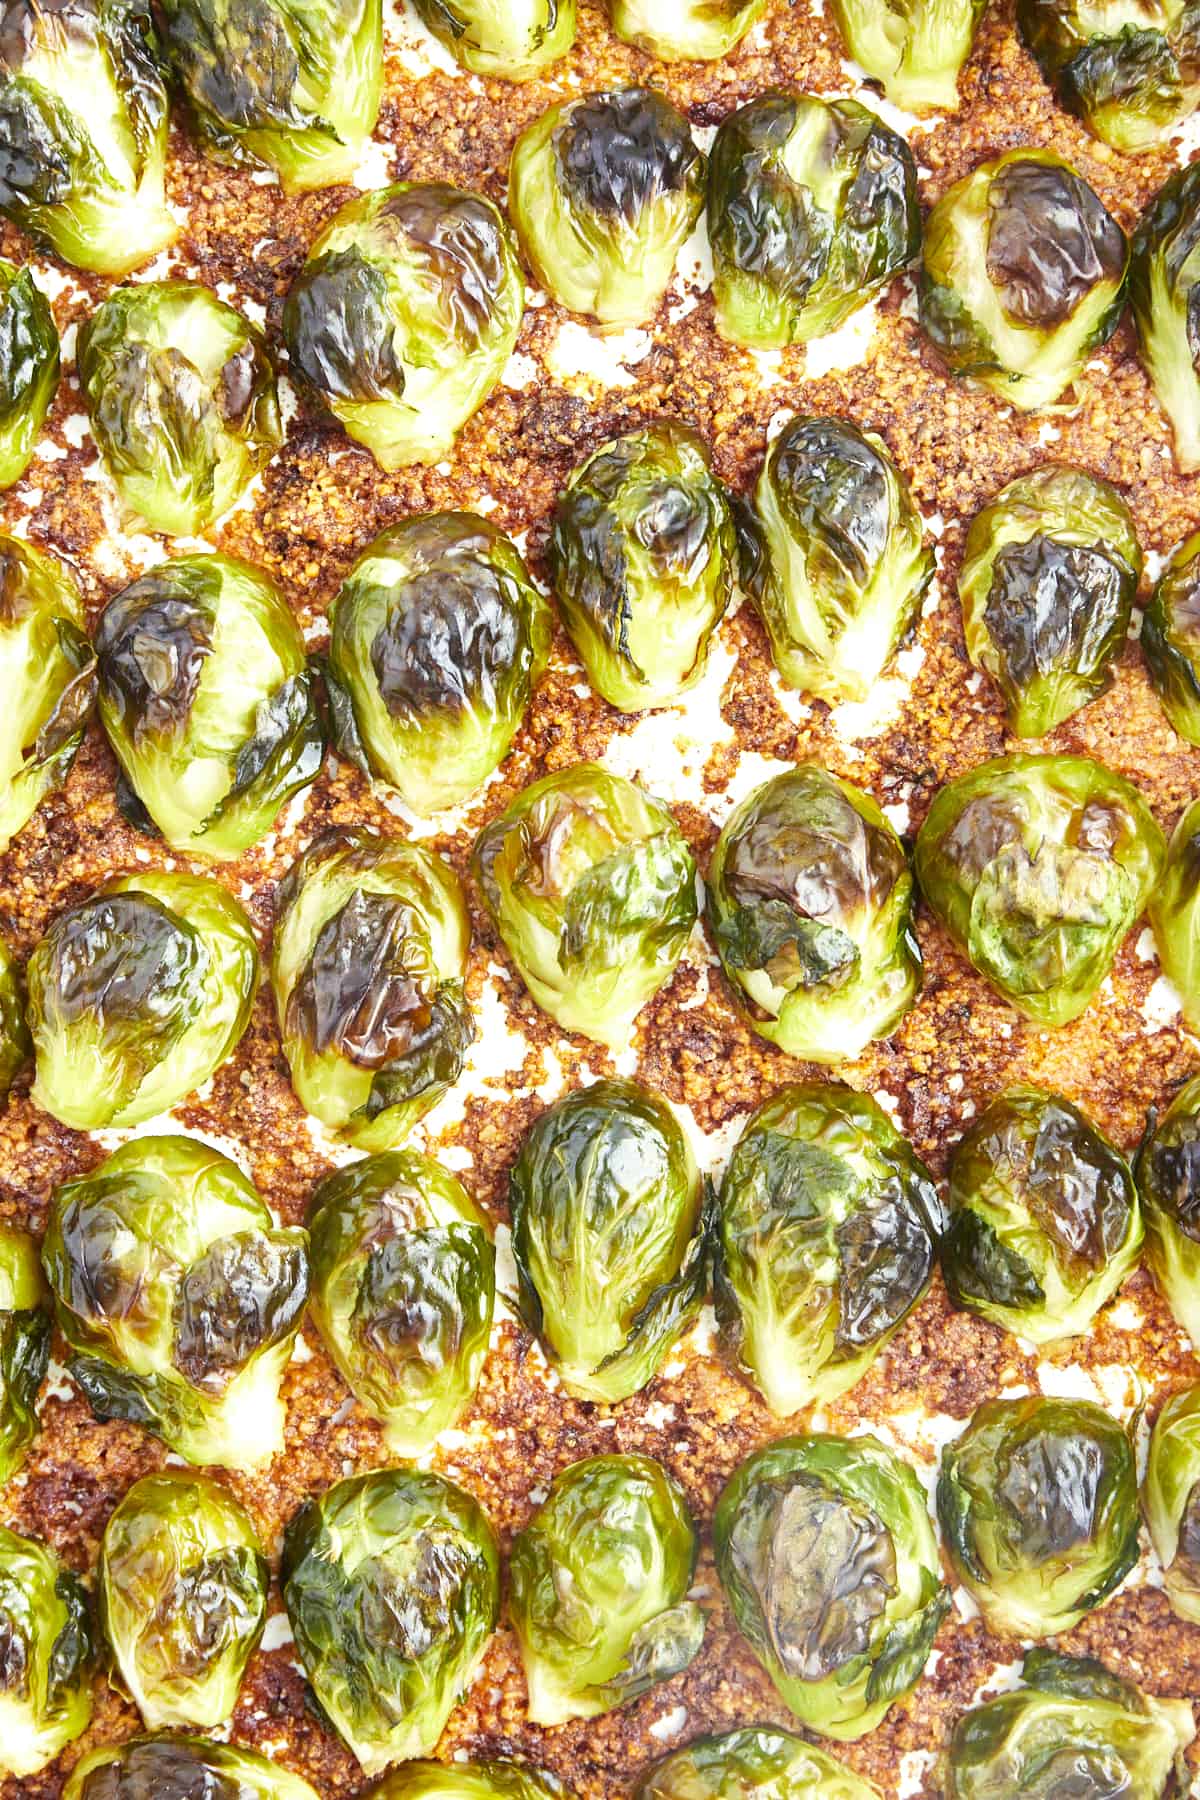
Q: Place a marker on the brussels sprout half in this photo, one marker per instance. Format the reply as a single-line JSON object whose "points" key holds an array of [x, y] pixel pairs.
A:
{"points": [[1171, 639], [179, 1298], [812, 207], [182, 401], [468, 1781], [593, 889], [29, 359], [1037, 1502], [688, 30], [183, 1597], [1045, 1222], [1164, 297], [825, 1243], [83, 131], [598, 1585], [509, 39], [1171, 1500], [810, 898], [438, 639], [47, 677], [24, 1348], [829, 1563], [603, 192], [915, 49], [136, 996], [46, 1668], [1023, 276], [1130, 72], [368, 969], [762, 1760], [1168, 1177], [404, 1282], [293, 85], [15, 1042], [1174, 913], [392, 1586], [1038, 866], [167, 1767], [404, 316], [606, 1202], [1048, 578]]}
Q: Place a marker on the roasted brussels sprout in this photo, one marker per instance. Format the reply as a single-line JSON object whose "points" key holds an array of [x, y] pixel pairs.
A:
{"points": [[48, 677], [208, 701], [1038, 1507], [292, 85], [1168, 1177], [1023, 276], [1038, 866], [812, 207], [605, 1202], [183, 1597], [48, 1653], [1171, 639], [392, 1586], [1171, 1500], [810, 898], [404, 1282], [915, 49], [29, 358], [688, 30], [760, 1760], [642, 554], [368, 970], [509, 39], [438, 636], [404, 316], [24, 1348], [1174, 912], [1129, 72], [182, 401], [136, 996], [468, 1781], [83, 131], [181, 1768], [828, 1560], [604, 189], [1049, 574], [1164, 295], [826, 1224], [593, 889], [15, 1042], [179, 1298]]}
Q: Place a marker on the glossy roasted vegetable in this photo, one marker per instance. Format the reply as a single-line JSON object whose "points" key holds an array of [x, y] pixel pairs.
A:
{"points": [[136, 996], [688, 30], [915, 49], [438, 637], [812, 207], [404, 1282], [1174, 913], [1130, 72], [810, 898], [603, 191], [208, 701], [47, 677], [168, 1767], [29, 358], [762, 1760], [292, 85], [179, 1298], [509, 39], [83, 131], [1023, 276], [1171, 639], [368, 967], [392, 1586], [1037, 1502], [181, 396], [1038, 866], [598, 1585], [46, 1665], [592, 887], [183, 1597], [1171, 1500], [15, 1044], [828, 1560], [24, 1348], [498, 1780], [1168, 1178], [1164, 295], [605, 1202], [825, 1243], [1048, 578], [404, 316]]}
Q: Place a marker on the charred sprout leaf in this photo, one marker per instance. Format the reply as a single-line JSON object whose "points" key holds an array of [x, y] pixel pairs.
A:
{"points": [[1129, 72], [810, 900], [812, 207], [1049, 574], [598, 1588], [179, 1298], [403, 1288], [605, 1202], [292, 85], [83, 131], [181, 1768], [24, 1350], [642, 555], [1038, 866], [368, 973], [392, 1586], [1171, 639], [1038, 1507], [741, 1765], [1023, 276], [182, 401], [404, 316], [511, 39], [1045, 1222], [1168, 1177], [604, 190], [46, 1655], [15, 1044], [593, 889], [438, 638], [1174, 912], [28, 363], [421, 1780], [828, 1560], [1171, 1500], [1164, 295], [687, 31], [183, 1597], [137, 995], [915, 49]]}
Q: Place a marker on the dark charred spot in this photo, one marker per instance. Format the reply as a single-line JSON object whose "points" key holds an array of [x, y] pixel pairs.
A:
{"points": [[617, 153], [247, 1291], [151, 643], [365, 990], [340, 330], [1050, 241], [832, 1572], [1053, 606], [459, 237], [126, 957], [1050, 1484], [833, 486], [451, 638]]}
